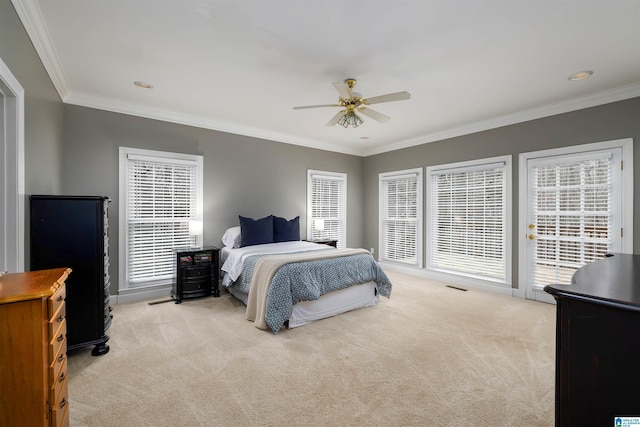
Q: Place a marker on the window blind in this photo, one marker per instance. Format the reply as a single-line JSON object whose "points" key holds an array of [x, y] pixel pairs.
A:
{"points": [[161, 199], [328, 207], [468, 217], [400, 216], [573, 216]]}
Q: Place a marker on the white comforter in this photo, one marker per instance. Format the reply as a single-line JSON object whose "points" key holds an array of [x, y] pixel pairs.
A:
{"points": [[233, 264]]}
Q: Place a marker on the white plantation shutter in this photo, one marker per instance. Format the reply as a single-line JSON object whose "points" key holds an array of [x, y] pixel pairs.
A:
{"points": [[573, 211], [400, 216], [468, 220], [162, 197], [327, 206]]}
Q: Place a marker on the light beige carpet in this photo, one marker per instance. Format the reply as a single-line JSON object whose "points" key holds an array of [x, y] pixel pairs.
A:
{"points": [[429, 356]]}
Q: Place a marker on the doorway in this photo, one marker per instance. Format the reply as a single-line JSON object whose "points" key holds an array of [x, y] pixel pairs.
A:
{"points": [[576, 207], [12, 192]]}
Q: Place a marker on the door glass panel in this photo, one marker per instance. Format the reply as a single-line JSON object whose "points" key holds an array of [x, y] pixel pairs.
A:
{"points": [[572, 215]]}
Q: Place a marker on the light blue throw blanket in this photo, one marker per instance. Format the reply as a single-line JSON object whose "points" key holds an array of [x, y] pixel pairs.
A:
{"points": [[308, 280]]}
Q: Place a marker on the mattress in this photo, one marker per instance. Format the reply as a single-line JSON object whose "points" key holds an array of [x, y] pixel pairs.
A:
{"points": [[233, 259]]}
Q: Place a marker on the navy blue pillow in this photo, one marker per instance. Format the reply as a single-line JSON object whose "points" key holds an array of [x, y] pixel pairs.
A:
{"points": [[256, 231], [286, 231]]}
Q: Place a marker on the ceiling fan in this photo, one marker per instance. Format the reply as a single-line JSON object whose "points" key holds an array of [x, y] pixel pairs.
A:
{"points": [[352, 102]]}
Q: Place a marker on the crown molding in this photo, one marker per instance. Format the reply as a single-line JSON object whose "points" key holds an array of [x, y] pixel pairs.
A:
{"points": [[31, 16], [117, 106], [579, 103], [29, 13], [574, 104]]}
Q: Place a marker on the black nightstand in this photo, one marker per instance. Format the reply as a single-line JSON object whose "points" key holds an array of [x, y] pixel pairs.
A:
{"points": [[197, 273], [329, 242]]}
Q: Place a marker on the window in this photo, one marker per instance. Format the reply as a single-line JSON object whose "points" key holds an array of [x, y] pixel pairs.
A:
{"points": [[469, 218], [327, 206], [401, 216], [161, 196]]}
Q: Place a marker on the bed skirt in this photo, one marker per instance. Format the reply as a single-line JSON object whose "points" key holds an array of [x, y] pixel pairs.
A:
{"points": [[330, 304]]}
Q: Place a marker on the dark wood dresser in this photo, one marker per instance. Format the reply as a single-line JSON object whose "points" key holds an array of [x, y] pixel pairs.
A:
{"points": [[598, 343], [33, 349]]}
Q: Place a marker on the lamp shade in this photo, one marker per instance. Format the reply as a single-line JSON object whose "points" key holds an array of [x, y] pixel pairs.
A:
{"points": [[195, 228]]}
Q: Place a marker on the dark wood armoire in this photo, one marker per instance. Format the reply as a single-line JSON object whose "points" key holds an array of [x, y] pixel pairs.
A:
{"points": [[72, 231]]}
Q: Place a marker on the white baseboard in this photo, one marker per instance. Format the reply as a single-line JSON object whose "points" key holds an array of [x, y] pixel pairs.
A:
{"points": [[135, 295], [453, 279], [142, 294], [519, 293]]}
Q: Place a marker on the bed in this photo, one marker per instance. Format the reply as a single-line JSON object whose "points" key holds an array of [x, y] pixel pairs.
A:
{"points": [[292, 283]]}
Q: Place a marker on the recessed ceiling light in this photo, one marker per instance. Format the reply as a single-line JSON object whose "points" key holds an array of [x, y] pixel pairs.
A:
{"points": [[143, 85], [580, 75]]}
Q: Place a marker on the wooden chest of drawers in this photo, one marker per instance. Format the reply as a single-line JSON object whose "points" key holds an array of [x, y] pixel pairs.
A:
{"points": [[33, 350]]}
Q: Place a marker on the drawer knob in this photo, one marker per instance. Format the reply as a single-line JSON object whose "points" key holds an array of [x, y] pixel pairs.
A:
{"points": [[62, 377], [61, 298], [60, 338], [63, 402], [61, 358], [60, 319]]}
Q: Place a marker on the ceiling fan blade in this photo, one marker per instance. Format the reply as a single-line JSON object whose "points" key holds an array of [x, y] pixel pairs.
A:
{"points": [[316, 106], [343, 89], [398, 96], [335, 118], [374, 115]]}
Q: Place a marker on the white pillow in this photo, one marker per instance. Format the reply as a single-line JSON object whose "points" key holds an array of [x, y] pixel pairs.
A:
{"points": [[232, 237]]}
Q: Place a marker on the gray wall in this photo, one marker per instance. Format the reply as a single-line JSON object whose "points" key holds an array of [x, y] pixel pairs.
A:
{"points": [[255, 177], [43, 111], [242, 175], [603, 123]]}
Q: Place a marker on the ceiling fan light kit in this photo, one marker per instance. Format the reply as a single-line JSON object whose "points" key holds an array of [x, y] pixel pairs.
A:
{"points": [[352, 102], [350, 119]]}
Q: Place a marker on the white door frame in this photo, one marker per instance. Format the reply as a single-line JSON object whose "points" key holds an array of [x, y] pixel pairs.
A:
{"points": [[12, 180], [627, 202]]}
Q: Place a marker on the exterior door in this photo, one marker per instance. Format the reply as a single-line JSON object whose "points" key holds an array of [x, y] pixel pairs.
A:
{"points": [[573, 215]]}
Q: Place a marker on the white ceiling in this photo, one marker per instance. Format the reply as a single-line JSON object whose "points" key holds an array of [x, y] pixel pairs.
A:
{"points": [[240, 66]]}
